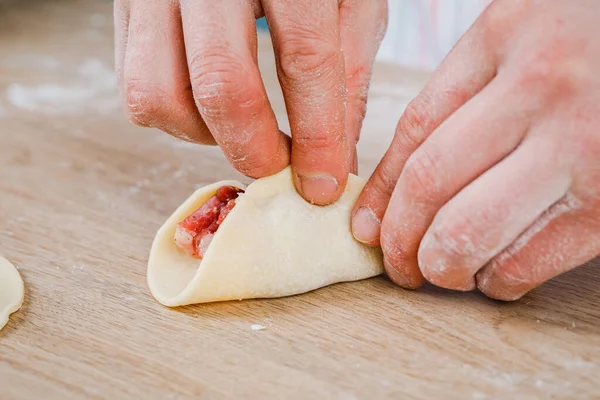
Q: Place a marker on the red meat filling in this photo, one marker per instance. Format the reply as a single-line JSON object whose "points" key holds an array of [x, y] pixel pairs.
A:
{"points": [[194, 234]]}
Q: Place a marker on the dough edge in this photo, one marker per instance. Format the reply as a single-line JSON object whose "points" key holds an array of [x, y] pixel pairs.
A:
{"points": [[226, 274], [164, 240], [12, 290]]}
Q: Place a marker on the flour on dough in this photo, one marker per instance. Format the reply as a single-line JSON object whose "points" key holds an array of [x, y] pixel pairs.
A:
{"points": [[272, 244], [12, 290]]}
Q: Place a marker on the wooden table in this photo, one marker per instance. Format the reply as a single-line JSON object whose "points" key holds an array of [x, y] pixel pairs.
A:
{"points": [[82, 193]]}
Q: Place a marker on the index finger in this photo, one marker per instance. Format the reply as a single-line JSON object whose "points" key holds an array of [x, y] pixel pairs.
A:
{"points": [[221, 48], [310, 64]]}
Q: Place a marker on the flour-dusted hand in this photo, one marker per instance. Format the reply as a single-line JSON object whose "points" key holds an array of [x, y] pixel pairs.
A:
{"points": [[493, 177], [190, 68]]}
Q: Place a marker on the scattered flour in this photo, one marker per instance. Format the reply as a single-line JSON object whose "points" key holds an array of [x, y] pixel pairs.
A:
{"points": [[138, 186], [257, 327], [93, 88], [577, 363]]}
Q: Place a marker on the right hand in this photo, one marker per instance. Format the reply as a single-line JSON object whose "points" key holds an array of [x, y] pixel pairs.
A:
{"points": [[492, 180], [190, 68]]}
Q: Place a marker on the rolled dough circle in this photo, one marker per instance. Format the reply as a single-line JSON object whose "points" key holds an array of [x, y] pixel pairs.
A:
{"points": [[12, 290]]}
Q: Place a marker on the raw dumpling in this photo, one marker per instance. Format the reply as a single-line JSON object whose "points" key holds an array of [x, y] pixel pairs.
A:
{"points": [[12, 290], [272, 244]]}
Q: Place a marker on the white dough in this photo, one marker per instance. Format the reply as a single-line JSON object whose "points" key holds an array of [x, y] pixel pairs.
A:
{"points": [[12, 290], [272, 244]]}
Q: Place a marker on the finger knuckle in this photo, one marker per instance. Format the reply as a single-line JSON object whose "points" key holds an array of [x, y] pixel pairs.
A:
{"points": [[217, 81], [421, 174], [553, 73], [539, 74], [317, 141], [143, 103], [305, 53], [384, 179], [255, 165], [414, 123]]}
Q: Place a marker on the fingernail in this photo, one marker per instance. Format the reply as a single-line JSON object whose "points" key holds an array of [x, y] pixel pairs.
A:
{"points": [[365, 225], [319, 188], [396, 276]]}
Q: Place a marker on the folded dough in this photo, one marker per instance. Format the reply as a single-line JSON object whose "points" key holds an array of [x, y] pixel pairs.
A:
{"points": [[12, 290], [272, 244]]}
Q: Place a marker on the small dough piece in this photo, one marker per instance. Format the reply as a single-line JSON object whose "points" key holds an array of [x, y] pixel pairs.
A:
{"points": [[272, 244], [12, 290]]}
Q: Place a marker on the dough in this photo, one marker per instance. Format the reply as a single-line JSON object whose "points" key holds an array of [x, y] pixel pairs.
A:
{"points": [[12, 290], [272, 244]]}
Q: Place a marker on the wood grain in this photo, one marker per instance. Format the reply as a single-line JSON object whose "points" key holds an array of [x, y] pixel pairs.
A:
{"points": [[82, 193]]}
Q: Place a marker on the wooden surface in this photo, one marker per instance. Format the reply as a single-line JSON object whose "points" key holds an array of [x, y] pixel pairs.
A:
{"points": [[82, 193]]}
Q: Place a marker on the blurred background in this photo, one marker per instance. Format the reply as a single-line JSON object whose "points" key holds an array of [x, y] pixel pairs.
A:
{"points": [[56, 62], [421, 32], [56, 56]]}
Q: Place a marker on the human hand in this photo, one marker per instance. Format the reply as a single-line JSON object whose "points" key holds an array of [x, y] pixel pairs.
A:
{"points": [[493, 177], [190, 68]]}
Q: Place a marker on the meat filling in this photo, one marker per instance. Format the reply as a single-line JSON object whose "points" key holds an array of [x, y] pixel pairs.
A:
{"points": [[194, 234]]}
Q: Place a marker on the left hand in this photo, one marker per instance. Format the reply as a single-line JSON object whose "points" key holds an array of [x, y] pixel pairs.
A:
{"points": [[190, 68], [493, 177]]}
